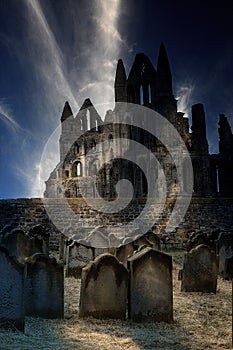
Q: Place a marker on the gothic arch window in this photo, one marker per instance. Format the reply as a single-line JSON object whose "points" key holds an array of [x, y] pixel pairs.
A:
{"points": [[141, 95], [77, 169], [88, 120], [110, 138], [93, 144], [149, 93], [186, 175], [76, 148]]}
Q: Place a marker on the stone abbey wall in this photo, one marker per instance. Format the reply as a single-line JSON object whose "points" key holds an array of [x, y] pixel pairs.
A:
{"points": [[204, 214]]}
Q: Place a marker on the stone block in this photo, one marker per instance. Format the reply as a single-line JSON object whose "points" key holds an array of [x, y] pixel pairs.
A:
{"points": [[104, 287], [150, 291], [200, 270], [44, 287], [12, 313]]}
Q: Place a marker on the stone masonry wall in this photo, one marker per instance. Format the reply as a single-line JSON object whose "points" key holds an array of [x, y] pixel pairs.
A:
{"points": [[203, 214]]}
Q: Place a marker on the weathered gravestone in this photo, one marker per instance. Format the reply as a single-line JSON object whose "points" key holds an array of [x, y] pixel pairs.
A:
{"points": [[225, 239], [125, 251], [44, 287], [41, 239], [196, 239], [98, 238], [150, 291], [12, 313], [78, 256], [104, 287], [18, 244], [153, 239], [200, 270], [225, 261], [141, 241]]}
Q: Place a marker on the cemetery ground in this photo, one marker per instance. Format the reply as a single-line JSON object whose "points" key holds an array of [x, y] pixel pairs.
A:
{"points": [[201, 321]]}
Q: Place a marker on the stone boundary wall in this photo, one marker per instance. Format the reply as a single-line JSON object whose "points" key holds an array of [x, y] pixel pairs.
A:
{"points": [[203, 214]]}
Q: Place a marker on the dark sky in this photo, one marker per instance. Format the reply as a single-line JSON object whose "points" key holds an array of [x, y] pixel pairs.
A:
{"points": [[58, 50]]}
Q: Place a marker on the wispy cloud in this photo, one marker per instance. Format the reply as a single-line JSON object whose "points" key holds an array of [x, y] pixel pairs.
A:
{"points": [[184, 97], [7, 116], [49, 65], [90, 73]]}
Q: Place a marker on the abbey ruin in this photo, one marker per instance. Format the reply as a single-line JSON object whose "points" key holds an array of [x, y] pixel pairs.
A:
{"points": [[152, 88]]}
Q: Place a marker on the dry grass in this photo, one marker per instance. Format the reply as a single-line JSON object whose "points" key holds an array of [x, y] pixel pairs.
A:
{"points": [[201, 321]]}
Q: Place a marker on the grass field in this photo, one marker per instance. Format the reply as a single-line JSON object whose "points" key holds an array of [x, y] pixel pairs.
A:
{"points": [[201, 321]]}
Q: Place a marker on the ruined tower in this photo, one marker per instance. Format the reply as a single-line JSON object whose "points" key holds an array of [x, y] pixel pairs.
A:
{"points": [[225, 159]]}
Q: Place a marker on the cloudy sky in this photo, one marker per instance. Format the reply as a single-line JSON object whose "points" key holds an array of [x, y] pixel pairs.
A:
{"points": [[57, 50]]}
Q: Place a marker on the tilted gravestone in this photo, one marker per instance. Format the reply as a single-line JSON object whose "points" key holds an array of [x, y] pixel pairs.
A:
{"points": [[150, 288], [78, 256], [44, 287], [200, 270], [12, 313], [104, 287]]}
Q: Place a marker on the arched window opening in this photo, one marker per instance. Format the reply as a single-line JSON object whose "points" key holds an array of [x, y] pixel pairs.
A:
{"points": [[149, 93], [88, 120], [67, 173], [96, 125], [141, 96], [81, 124], [76, 148], [217, 176], [93, 144], [77, 169], [110, 138]]}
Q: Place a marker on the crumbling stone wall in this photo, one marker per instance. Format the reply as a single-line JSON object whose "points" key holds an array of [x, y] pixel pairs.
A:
{"points": [[203, 214]]}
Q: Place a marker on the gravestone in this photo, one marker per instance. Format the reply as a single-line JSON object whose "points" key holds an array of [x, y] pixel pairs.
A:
{"points": [[124, 252], [18, 244], [44, 287], [99, 239], [11, 292], [196, 239], [41, 236], [150, 291], [153, 239], [200, 270], [78, 256], [225, 262], [104, 287], [225, 239]]}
